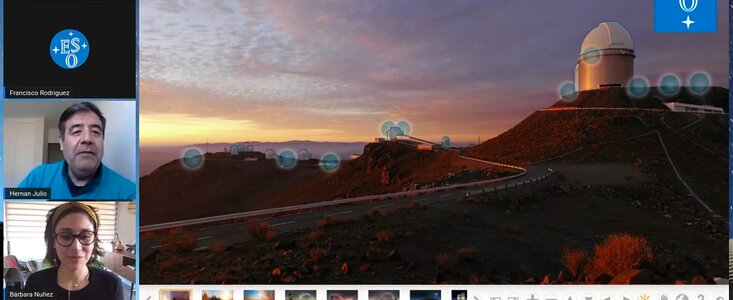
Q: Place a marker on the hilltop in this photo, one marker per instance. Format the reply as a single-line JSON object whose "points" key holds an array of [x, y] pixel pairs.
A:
{"points": [[549, 133], [697, 144], [224, 186], [618, 98], [152, 157]]}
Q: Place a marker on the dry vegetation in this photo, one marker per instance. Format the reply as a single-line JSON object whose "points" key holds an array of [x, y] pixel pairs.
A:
{"points": [[616, 254]]}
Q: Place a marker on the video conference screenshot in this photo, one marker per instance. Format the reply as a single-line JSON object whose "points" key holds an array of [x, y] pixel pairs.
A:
{"points": [[366, 149]]}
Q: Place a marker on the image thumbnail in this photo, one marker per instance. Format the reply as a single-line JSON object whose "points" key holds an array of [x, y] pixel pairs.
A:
{"points": [[459, 295], [259, 295], [300, 295], [175, 294], [342, 295], [425, 295], [384, 295], [217, 295]]}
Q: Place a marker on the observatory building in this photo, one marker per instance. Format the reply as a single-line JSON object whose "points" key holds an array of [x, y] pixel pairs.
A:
{"points": [[394, 132], [304, 154], [606, 58]]}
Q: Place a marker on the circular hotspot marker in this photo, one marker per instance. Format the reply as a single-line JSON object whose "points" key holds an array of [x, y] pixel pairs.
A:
{"points": [[638, 87], [567, 91], [592, 55], [330, 162], [669, 85], [287, 159], [445, 142], [386, 126], [699, 83], [405, 126], [192, 159]]}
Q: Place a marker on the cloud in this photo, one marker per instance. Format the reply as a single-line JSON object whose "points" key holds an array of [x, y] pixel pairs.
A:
{"points": [[465, 64]]}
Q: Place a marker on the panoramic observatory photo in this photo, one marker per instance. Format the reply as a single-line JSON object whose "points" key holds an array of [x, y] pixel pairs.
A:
{"points": [[430, 142]]}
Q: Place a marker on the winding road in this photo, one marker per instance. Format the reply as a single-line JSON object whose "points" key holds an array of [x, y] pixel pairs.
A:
{"points": [[302, 217]]}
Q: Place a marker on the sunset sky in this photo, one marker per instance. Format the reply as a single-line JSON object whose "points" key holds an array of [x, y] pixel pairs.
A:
{"points": [[277, 70]]}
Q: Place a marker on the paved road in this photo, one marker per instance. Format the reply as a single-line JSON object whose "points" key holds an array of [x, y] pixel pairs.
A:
{"points": [[231, 233]]}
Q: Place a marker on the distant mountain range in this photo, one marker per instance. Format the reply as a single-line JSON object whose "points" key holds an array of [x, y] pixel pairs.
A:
{"points": [[226, 185], [154, 157]]}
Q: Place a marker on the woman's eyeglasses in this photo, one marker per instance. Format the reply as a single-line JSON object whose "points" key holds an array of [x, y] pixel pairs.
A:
{"points": [[66, 238]]}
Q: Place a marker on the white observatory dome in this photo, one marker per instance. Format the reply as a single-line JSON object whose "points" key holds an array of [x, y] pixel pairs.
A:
{"points": [[607, 35], [606, 58]]}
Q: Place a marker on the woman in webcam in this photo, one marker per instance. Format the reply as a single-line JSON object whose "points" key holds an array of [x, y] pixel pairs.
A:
{"points": [[71, 247]]}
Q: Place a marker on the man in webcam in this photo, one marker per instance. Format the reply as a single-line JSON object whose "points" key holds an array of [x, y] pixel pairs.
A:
{"points": [[81, 175]]}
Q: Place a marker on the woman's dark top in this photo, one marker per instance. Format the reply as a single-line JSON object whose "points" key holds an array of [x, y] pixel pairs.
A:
{"points": [[102, 285]]}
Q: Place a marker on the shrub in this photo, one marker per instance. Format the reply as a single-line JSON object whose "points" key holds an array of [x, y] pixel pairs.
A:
{"points": [[257, 229], [271, 234], [169, 244], [415, 205], [311, 237], [147, 235], [317, 254], [620, 252], [467, 253], [186, 241], [374, 213], [477, 279], [175, 230], [170, 263], [444, 259], [218, 247], [384, 236], [330, 221], [574, 260]]}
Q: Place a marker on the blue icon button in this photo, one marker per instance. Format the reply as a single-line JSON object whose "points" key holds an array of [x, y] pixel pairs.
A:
{"points": [[69, 49], [685, 16]]}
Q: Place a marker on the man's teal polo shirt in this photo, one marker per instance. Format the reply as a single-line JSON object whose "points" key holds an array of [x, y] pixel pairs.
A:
{"points": [[106, 185]]}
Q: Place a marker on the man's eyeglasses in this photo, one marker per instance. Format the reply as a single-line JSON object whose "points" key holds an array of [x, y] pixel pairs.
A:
{"points": [[66, 238]]}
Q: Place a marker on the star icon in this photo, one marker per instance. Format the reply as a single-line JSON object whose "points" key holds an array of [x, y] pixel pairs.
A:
{"points": [[55, 49], [688, 22], [84, 45], [71, 33]]}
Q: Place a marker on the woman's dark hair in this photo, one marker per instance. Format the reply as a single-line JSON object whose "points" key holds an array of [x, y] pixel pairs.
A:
{"points": [[59, 212]]}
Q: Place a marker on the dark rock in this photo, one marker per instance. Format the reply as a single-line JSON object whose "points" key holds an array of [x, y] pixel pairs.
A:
{"points": [[439, 279], [603, 279], [560, 278], [151, 256], [633, 276], [267, 257], [394, 255], [280, 245], [698, 280], [363, 268], [305, 270]]}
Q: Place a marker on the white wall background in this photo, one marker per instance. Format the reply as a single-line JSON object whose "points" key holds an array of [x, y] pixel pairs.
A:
{"points": [[126, 229], [120, 152]]}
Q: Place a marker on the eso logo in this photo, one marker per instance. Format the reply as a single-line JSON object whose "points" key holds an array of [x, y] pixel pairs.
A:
{"points": [[69, 49]]}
